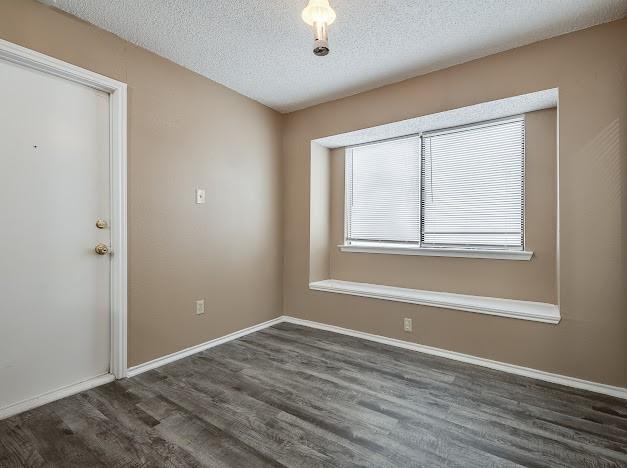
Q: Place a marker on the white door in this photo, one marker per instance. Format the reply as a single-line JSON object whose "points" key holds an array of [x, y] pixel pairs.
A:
{"points": [[54, 186]]}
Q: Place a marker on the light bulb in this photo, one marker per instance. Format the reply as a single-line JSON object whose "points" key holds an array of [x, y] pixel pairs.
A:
{"points": [[319, 14], [318, 11]]}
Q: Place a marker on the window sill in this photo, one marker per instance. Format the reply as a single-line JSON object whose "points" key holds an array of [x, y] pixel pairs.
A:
{"points": [[511, 308], [436, 252]]}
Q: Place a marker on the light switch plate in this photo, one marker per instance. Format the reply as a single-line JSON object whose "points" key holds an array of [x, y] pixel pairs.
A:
{"points": [[407, 325], [200, 196], [200, 307]]}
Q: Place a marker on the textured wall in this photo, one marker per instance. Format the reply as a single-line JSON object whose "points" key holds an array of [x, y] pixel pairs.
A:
{"points": [[590, 69], [184, 131]]}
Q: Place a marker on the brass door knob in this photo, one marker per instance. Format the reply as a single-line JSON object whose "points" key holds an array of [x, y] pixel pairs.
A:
{"points": [[102, 249], [101, 224]]}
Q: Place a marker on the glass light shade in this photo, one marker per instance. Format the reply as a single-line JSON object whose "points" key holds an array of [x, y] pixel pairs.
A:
{"points": [[318, 11]]}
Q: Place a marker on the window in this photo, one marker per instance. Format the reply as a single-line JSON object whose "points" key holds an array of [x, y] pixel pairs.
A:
{"points": [[460, 188], [383, 191]]}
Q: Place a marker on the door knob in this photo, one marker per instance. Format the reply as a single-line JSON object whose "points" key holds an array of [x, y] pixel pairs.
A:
{"points": [[101, 224], [102, 249]]}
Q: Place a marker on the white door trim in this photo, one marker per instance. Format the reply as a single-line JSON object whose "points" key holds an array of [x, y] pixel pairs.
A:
{"points": [[117, 113]]}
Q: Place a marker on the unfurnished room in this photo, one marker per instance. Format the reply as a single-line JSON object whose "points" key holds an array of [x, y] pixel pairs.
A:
{"points": [[313, 233]]}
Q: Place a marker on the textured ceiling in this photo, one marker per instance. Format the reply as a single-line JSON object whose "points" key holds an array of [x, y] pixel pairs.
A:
{"points": [[262, 49], [482, 112]]}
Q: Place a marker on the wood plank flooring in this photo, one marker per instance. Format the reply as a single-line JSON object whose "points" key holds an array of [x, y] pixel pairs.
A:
{"points": [[299, 397]]}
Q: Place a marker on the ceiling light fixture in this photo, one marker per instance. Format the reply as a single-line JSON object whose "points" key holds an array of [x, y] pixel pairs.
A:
{"points": [[319, 14]]}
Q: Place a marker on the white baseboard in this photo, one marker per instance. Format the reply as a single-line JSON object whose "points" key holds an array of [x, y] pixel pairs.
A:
{"points": [[63, 392], [53, 395], [467, 358], [135, 370]]}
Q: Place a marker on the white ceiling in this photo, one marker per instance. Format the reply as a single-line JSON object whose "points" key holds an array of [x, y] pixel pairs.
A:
{"points": [[262, 48], [491, 110]]}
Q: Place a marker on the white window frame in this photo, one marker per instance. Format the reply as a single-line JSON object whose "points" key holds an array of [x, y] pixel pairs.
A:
{"points": [[399, 248]]}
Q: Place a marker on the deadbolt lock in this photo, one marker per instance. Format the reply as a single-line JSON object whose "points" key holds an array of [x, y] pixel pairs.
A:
{"points": [[101, 249], [101, 224]]}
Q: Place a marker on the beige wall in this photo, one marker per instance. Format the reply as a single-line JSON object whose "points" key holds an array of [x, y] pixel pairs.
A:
{"points": [[533, 280], [183, 131], [590, 69], [319, 209]]}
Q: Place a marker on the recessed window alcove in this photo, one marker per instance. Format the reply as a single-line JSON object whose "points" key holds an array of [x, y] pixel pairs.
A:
{"points": [[480, 281]]}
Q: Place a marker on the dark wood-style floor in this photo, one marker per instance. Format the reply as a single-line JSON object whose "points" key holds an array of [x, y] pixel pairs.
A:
{"points": [[295, 396]]}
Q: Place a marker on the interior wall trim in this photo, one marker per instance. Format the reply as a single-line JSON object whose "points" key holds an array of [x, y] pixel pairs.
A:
{"points": [[519, 255], [467, 358], [567, 381], [511, 308], [54, 395], [161, 361], [63, 392]]}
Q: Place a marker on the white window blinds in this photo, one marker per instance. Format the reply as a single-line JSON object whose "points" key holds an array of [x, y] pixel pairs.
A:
{"points": [[458, 188], [473, 186], [383, 191]]}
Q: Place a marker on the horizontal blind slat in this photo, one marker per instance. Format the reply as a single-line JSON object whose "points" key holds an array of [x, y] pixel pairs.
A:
{"points": [[383, 191], [473, 193]]}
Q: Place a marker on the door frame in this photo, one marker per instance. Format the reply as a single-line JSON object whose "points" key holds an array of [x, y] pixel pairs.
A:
{"points": [[118, 169]]}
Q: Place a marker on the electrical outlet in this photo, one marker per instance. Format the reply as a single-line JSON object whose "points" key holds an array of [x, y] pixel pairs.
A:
{"points": [[200, 307], [200, 196], [407, 325]]}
